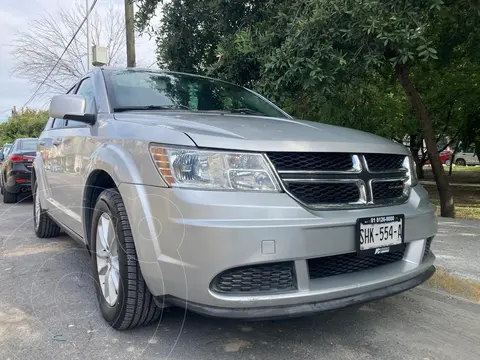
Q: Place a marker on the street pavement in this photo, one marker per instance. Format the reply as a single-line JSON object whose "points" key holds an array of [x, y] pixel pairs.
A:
{"points": [[48, 310], [457, 247]]}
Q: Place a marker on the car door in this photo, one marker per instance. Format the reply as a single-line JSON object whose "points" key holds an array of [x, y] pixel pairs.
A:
{"points": [[74, 157], [470, 156], [49, 147]]}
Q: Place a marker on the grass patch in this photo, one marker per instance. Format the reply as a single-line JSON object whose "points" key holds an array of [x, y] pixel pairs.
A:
{"points": [[460, 174], [467, 201], [446, 281], [463, 168]]}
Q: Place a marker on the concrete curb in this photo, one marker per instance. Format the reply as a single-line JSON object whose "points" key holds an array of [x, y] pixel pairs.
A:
{"points": [[447, 281]]}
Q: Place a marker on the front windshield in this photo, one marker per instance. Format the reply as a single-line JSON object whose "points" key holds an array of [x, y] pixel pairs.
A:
{"points": [[6, 149], [132, 90]]}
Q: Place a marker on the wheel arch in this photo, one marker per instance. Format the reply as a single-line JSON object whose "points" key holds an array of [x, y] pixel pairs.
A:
{"points": [[33, 179], [107, 167], [97, 181]]}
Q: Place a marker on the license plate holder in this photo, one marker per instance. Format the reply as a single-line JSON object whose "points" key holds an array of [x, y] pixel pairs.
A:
{"points": [[380, 234]]}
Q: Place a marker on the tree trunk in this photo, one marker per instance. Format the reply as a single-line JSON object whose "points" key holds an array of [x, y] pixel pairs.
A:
{"points": [[415, 149], [420, 171], [452, 157], [447, 206]]}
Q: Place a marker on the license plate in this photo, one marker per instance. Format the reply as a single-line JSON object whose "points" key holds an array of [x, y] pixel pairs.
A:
{"points": [[380, 234]]}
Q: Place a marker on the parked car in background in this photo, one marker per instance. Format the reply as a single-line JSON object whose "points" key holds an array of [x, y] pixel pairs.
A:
{"points": [[198, 193], [466, 158], [445, 157], [16, 169], [4, 150]]}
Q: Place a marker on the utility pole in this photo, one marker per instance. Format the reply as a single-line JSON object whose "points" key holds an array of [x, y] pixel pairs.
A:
{"points": [[89, 48], [130, 30]]}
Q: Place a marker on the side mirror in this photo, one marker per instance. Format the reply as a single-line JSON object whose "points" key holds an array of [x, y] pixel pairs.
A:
{"points": [[70, 107]]}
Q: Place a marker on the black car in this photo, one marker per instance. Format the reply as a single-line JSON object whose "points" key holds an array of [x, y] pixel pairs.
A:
{"points": [[16, 169]]}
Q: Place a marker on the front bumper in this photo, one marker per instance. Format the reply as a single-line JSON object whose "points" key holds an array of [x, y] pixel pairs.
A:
{"points": [[290, 311], [185, 238]]}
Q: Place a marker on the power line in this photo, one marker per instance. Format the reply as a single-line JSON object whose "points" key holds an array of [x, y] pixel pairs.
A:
{"points": [[63, 53], [148, 67]]}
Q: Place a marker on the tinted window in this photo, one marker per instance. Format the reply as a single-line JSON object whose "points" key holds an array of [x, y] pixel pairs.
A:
{"points": [[58, 123], [134, 89], [85, 89], [49, 123], [27, 145]]}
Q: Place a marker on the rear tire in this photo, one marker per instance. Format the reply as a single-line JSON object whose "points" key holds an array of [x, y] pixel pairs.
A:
{"points": [[460, 162], [8, 197], [44, 226], [130, 304]]}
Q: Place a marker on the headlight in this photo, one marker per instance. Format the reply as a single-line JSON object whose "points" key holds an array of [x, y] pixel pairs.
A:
{"points": [[215, 170], [409, 164]]}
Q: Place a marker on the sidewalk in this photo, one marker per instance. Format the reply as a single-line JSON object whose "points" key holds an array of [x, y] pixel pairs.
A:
{"points": [[457, 247]]}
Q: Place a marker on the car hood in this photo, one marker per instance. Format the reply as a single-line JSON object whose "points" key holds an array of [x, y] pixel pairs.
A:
{"points": [[259, 133]]}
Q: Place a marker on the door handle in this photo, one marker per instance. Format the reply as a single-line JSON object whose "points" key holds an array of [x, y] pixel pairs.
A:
{"points": [[57, 141], [41, 143]]}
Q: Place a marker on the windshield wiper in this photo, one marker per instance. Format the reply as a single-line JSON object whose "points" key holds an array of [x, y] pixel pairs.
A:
{"points": [[245, 111], [152, 107]]}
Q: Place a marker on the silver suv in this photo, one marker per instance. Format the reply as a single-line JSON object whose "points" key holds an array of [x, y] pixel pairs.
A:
{"points": [[194, 192]]}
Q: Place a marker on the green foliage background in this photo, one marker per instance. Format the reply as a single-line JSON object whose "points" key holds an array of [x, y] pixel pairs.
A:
{"points": [[334, 60], [23, 124]]}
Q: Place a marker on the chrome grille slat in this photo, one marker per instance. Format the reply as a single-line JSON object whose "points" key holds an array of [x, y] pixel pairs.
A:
{"points": [[320, 185]]}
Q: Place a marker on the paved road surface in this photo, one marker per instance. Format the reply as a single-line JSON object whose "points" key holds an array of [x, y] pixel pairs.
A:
{"points": [[457, 247], [48, 311]]}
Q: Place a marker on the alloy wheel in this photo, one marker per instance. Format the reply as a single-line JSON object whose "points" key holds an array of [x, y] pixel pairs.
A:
{"points": [[38, 210], [107, 259]]}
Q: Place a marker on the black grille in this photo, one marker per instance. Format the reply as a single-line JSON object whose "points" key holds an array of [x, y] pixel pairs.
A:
{"points": [[310, 161], [384, 162], [349, 263], [387, 190], [427, 247], [324, 193], [278, 277]]}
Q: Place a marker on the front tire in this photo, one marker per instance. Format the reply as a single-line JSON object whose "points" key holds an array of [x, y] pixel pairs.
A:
{"points": [[124, 299], [44, 226]]}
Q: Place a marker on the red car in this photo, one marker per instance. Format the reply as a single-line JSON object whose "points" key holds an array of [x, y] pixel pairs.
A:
{"points": [[445, 156]]}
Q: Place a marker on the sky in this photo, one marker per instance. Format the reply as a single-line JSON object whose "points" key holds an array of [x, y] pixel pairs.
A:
{"points": [[15, 16]]}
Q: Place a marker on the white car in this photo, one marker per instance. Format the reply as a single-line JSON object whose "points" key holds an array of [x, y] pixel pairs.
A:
{"points": [[466, 158]]}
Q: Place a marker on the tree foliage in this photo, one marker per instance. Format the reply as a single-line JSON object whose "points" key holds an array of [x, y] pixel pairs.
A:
{"points": [[27, 123], [396, 68]]}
